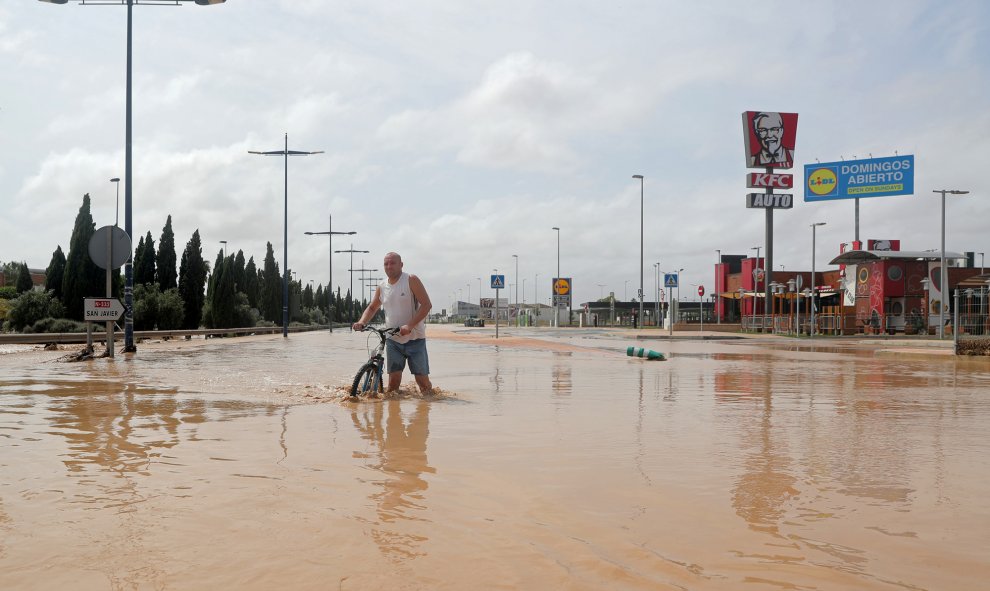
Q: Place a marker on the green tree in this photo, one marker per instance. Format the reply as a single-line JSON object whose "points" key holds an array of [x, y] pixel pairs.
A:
{"points": [[251, 283], [165, 273], [82, 278], [271, 289], [32, 306], [223, 301], [307, 296], [154, 309], [144, 262], [54, 273], [192, 280], [24, 282], [239, 271]]}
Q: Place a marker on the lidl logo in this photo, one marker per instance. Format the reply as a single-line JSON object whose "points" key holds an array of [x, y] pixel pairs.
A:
{"points": [[823, 182]]}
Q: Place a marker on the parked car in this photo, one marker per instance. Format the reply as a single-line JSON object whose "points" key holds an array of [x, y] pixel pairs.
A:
{"points": [[480, 322]]}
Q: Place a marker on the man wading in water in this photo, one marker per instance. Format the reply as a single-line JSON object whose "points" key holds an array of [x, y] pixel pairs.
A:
{"points": [[406, 305]]}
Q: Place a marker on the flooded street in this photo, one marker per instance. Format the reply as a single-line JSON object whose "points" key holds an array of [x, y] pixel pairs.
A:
{"points": [[548, 461]]}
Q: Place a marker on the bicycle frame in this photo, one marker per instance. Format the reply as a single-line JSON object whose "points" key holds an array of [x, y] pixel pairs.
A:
{"points": [[376, 360]]}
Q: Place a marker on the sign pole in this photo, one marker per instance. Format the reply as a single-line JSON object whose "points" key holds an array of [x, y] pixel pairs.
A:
{"points": [[496, 312], [109, 292]]}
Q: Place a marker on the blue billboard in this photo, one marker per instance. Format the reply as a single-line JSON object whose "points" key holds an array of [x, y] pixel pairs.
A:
{"points": [[852, 179]]}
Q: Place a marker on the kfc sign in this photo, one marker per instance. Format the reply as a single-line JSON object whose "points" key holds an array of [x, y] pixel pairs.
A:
{"points": [[770, 139], [769, 180]]}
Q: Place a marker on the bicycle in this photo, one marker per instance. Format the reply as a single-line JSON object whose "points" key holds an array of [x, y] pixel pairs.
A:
{"points": [[369, 377]]}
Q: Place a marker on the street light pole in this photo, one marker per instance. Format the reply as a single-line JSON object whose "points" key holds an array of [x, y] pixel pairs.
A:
{"points": [[116, 209], [642, 181], [224, 242], [285, 228], [330, 234], [718, 286], [129, 346], [756, 281], [814, 327], [350, 295], [556, 309], [943, 275], [515, 256]]}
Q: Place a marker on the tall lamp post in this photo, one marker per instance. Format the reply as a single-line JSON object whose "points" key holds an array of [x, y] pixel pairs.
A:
{"points": [[330, 234], [556, 309], [286, 152], [350, 303], [116, 209], [129, 346], [814, 288], [515, 256], [756, 281], [717, 296], [943, 276], [642, 181], [224, 243]]}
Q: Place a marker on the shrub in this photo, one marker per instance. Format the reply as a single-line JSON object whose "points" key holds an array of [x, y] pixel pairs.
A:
{"points": [[156, 310], [32, 306], [49, 325], [4, 309], [8, 292]]}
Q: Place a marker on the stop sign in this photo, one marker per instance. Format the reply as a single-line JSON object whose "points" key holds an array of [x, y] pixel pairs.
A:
{"points": [[701, 290]]}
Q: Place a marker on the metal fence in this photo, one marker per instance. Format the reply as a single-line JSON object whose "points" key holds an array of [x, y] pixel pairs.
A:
{"points": [[971, 312]]}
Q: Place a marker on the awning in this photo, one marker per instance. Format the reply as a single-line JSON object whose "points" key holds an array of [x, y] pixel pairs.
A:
{"points": [[855, 257]]}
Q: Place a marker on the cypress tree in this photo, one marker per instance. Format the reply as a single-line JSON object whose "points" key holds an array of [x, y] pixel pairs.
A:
{"points": [[250, 288], [192, 280], [238, 270], [319, 298], [223, 301], [165, 273], [144, 266], [138, 261], [54, 273], [82, 278], [24, 282], [271, 289]]}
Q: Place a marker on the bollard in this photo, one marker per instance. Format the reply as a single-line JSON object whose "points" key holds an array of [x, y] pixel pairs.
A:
{"points": [[641, 352]]}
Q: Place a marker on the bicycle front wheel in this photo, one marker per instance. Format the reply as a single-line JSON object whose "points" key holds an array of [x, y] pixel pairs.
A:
{"points": [[366, 381]]}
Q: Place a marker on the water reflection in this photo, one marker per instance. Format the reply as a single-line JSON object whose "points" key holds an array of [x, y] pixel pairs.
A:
{"points": [[760, 493], [561, 384], [401, 458]]}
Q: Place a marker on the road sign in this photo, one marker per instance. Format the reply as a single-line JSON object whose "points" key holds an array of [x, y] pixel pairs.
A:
{"points": [[498, 281], [487, 302], [562, 301], [102, 309], [701, 290], [561, 285], [670, 279], [120, 243]]}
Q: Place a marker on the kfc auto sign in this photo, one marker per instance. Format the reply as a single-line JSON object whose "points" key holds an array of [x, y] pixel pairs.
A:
{"points": [[769, 180]]}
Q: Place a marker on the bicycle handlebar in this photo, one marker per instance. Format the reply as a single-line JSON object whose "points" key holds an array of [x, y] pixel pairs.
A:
{"points": [[384, 333]]}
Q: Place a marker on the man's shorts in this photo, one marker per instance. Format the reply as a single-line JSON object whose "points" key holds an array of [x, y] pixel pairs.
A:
{"points": [[414, 351]]}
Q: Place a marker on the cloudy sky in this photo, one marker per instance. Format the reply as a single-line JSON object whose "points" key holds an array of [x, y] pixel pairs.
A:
{"points": [[459, 133]]}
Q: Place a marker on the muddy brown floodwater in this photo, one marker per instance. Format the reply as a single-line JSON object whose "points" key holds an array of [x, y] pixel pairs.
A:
{"points": [[548, 461]]}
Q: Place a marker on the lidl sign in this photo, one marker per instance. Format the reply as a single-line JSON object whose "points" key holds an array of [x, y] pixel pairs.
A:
{"points": [[852, 179]]}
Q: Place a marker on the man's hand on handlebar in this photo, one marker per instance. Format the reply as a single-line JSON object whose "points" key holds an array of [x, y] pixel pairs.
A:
{"points": [[404, 330], [357, 326]]}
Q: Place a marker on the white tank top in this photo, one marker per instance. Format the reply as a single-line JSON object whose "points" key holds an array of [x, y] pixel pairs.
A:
{"points": [[400, 306]]}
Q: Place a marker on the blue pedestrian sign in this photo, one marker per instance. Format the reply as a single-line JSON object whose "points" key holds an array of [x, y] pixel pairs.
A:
{"points": [[498, 281], [670, 279]]}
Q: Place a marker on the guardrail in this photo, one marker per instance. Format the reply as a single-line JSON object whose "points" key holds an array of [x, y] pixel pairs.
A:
{"points": [[70, 338]]}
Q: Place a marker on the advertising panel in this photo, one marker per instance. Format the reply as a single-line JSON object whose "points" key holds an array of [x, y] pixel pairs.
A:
{"points": [[769, 180], [769, 200], [852, 179], [770, 139]]}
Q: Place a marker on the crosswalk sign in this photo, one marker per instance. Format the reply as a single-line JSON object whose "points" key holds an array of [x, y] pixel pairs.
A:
{"points": [[670, 279], [498, 281]]}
